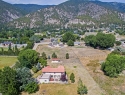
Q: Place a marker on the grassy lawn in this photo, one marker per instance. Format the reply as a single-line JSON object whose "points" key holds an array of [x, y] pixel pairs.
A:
{"points": [[7, 61]]}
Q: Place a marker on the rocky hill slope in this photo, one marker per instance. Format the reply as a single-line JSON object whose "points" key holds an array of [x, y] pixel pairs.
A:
{"points": [[74, 14], [8, 12]]}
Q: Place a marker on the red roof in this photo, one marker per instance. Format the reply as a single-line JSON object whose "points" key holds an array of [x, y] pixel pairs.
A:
{"points": [[48, 69], [55, 59]]}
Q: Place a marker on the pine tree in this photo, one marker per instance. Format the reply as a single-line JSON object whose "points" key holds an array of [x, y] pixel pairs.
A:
{"points": [[72, 78], [67, 56]]}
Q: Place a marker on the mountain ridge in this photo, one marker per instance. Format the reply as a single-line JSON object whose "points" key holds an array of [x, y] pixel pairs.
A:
{"points": [[73, 14]]}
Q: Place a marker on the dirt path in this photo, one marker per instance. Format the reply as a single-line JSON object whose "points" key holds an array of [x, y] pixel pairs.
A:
{"points": [[93, 87]]}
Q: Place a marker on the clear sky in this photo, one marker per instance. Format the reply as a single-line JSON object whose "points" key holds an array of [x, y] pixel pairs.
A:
{"points": [[49, 2]]}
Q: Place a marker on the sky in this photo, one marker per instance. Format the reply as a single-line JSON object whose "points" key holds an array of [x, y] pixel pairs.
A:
{"points": [[49, 2]]}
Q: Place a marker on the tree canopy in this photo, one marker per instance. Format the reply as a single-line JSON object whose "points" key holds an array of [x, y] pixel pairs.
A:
{"points": [[68, 36], [100, 40], [8, 82], [70, 43], [114, 65], [28, 58]]}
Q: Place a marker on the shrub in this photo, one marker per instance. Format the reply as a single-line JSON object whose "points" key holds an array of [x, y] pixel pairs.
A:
{"points": [[34, 69]]}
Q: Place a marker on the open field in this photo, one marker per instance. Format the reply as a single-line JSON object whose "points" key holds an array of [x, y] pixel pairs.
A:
{"points": [[111, 86], [7, 61], [74, 64]]}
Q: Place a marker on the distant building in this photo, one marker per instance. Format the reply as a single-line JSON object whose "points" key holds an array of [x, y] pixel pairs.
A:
{"points": [[56, 60], [51, 74], [7, 43], [76, 43]]}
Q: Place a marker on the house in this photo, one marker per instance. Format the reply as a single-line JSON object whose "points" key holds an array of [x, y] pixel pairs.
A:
{"points": [[76, 43], [7, 43], [52, 75], [55, 60]]}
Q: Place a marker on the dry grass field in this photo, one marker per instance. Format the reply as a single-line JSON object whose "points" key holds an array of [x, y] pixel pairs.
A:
{"points": [[74, 65], [111, 86]]}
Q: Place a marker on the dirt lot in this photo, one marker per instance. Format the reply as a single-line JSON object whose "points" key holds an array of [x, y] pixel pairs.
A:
{"points": [[79, 57]]}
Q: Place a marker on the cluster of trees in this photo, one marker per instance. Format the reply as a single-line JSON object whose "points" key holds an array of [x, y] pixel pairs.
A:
{"points": [[82, 89], [16, 35], [100, 40], [13, 81], [30, 58], [11, 52], [114, 65], [68, 38]]}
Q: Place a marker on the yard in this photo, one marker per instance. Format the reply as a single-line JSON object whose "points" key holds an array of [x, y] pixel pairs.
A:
{"points": [[58, 89], [73, 65], [7, 61]]}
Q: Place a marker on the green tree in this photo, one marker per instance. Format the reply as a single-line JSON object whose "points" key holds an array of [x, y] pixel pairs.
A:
{"points": [[2, 50], [118, 43], [28, 58], [35, 38], [100, 40], [9, 47], [67, 55], [70, 43], [30, 45], [105, 40], [43, 62], [34, 69], [31, 87], [23, 77], [44, 56], [82, 89], [68, 36], [54, 55], [72, 78], [8, 82], [16, 50], [114, 65]]}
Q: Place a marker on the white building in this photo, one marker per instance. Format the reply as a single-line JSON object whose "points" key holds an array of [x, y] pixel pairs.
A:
{"points": [[50, 75], [56, 60]]}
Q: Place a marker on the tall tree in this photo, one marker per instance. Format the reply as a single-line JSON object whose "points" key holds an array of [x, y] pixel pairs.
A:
{"points": [[82, 89], [23, 77], [54, 55], [67, 55], [114, 65], [43, 62], [8, 82], [72, 78], [68, 36], [70, 43], [28, 57], [44, 56]]}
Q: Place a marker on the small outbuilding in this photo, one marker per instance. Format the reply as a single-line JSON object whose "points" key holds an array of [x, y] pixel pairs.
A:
{"points": [[56, 60]]}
